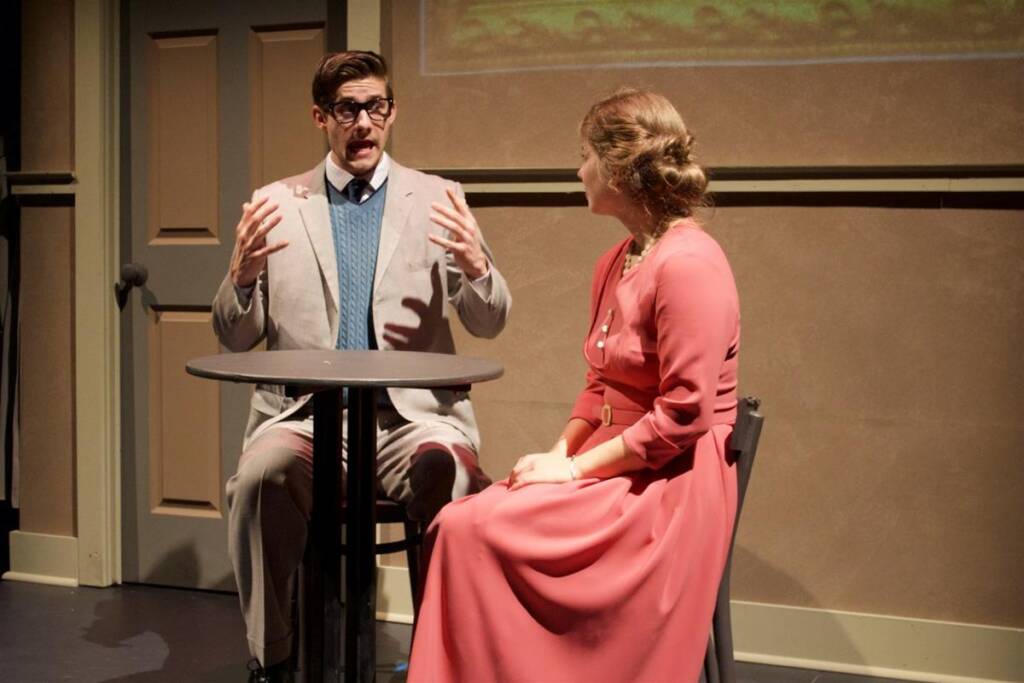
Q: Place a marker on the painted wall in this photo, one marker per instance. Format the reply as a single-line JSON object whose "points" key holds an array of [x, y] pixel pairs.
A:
{"points": [[47, 478]]}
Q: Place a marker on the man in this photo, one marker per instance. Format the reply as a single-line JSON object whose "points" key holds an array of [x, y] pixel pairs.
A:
{"points": [[358, 253]]}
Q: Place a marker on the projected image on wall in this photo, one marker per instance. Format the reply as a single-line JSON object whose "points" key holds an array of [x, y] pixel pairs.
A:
{"points": [[477, 36], [502, 84]]}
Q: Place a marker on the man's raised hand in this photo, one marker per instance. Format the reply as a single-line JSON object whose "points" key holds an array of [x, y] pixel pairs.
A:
{"points": [[465, 233], [249, 257]]}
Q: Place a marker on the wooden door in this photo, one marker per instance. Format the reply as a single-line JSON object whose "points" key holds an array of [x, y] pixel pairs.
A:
{"points": [[218, 103]]}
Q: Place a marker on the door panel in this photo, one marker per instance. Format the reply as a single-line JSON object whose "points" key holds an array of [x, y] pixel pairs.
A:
{"points": [[277, 99], [218, 103], [181, 122], [184, 418]]}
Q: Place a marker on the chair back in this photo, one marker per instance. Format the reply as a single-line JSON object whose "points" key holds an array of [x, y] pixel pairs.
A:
{"points": [[743, 443], [719, 666]]}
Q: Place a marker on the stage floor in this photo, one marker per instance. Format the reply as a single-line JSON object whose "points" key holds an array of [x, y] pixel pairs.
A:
{"points": [[146, 634]]}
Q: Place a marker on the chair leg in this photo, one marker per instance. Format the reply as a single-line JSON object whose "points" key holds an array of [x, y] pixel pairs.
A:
{"points": [[711, 663], [297, 631], [721, 627], [413, 556]]}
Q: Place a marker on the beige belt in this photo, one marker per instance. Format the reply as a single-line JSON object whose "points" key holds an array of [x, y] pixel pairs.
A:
{"points": [[627, 416], [620, 416]]}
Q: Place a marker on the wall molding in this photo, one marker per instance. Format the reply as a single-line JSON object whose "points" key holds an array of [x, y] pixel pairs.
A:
{"points": [[772, 186], [769, 180], [831, 640], [876, 645], [43, 558]]}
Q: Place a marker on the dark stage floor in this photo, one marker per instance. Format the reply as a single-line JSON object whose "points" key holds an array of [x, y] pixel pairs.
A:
{"points": [[143, 634]]}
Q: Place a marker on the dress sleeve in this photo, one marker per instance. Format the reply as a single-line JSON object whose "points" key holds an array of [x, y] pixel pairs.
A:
{"points": [[588, 403], [695, 315]]}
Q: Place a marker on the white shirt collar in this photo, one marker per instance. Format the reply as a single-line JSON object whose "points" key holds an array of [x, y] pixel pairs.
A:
{"points": [[339, 177]]}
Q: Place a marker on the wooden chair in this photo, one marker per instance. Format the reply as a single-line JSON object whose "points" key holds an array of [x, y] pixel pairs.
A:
{"points": [[391, 512], [719, 666]]}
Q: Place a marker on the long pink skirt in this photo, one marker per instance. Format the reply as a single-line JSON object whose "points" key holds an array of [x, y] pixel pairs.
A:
{"points": [[594, 580]]}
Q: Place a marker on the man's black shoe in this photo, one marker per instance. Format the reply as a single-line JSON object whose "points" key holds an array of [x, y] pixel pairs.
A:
{"points": [[276, 673]]}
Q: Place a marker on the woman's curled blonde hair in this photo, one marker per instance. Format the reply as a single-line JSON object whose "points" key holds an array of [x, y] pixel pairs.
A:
{"points": [[645, 151]]}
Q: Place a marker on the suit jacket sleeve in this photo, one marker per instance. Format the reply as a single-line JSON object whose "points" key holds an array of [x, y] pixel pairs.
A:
{"points": [[238, 327], [481, 316]]}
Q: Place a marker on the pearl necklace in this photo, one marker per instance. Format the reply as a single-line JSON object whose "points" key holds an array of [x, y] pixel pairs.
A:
{"points": [[633, 258]]}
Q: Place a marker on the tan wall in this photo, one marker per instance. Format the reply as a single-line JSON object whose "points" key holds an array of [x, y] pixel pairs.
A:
{"points": [[47, 91], [47, 477], [883, 344], [47, 398]]}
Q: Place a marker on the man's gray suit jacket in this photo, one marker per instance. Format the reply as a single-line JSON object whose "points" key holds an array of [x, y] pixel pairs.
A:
{"points": [[295, 305]]}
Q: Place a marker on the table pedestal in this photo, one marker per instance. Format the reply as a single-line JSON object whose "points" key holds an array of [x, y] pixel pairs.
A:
{"points": [[361, 537], [322, 565]]}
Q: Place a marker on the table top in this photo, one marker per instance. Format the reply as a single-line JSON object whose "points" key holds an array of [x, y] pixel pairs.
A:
{"points": [[333, 368]]}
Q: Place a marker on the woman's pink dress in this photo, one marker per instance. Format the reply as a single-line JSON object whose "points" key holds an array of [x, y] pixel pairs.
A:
{"points": [[615, 579]]}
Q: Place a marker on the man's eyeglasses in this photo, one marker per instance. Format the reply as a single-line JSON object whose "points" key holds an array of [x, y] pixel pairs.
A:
{"points": [[347, 111]]}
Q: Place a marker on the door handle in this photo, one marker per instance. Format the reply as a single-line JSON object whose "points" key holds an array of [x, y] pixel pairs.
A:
{"points": [[132, 275]]}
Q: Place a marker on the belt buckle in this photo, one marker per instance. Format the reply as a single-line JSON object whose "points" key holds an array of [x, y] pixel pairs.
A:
{"points": [[606, 415]]}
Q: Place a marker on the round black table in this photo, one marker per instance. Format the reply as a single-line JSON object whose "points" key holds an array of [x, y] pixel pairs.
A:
{"points": [[325, 374]]}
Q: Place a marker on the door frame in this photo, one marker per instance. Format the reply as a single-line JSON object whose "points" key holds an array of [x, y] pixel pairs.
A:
{"points": [[97, 325]]}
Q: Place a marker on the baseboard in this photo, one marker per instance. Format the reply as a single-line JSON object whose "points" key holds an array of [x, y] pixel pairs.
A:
{"points": [[43, 558], [831, 640], [877, 645], [394, 599]]}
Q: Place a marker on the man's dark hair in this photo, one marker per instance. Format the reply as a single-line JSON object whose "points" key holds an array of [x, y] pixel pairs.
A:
{"points": [[336, 68]]}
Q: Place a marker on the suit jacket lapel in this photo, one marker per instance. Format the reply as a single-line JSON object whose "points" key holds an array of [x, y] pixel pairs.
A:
{"points": [[397, 205], [316, 217]]}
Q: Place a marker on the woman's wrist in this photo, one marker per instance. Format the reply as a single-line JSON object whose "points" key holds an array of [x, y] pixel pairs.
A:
{"points": [[574, 470]]}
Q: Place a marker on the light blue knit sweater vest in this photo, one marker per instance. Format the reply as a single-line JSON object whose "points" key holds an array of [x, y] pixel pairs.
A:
{"points": [[356, 229]]}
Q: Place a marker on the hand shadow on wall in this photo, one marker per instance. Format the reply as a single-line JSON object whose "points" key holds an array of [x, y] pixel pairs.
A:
{"points": [[420, 336]]}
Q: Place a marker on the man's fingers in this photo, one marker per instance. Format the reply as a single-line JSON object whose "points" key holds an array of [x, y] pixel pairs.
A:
{"points": [[457, 231], [464, 219], [267, 227], [458, 202], [249, 208], [447, 244], [446, 221], [265, 211], [267, 250], [452, 222], [253, 216], [446, 211]]}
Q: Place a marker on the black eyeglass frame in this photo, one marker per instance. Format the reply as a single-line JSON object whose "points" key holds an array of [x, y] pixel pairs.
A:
{"points": [[359, 107]]}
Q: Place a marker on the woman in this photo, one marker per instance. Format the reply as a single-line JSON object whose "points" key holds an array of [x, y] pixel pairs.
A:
{"points": [[600, 559]]}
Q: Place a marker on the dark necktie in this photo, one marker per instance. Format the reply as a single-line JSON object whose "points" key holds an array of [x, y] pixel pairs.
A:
{"points": [[354, 190]]}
